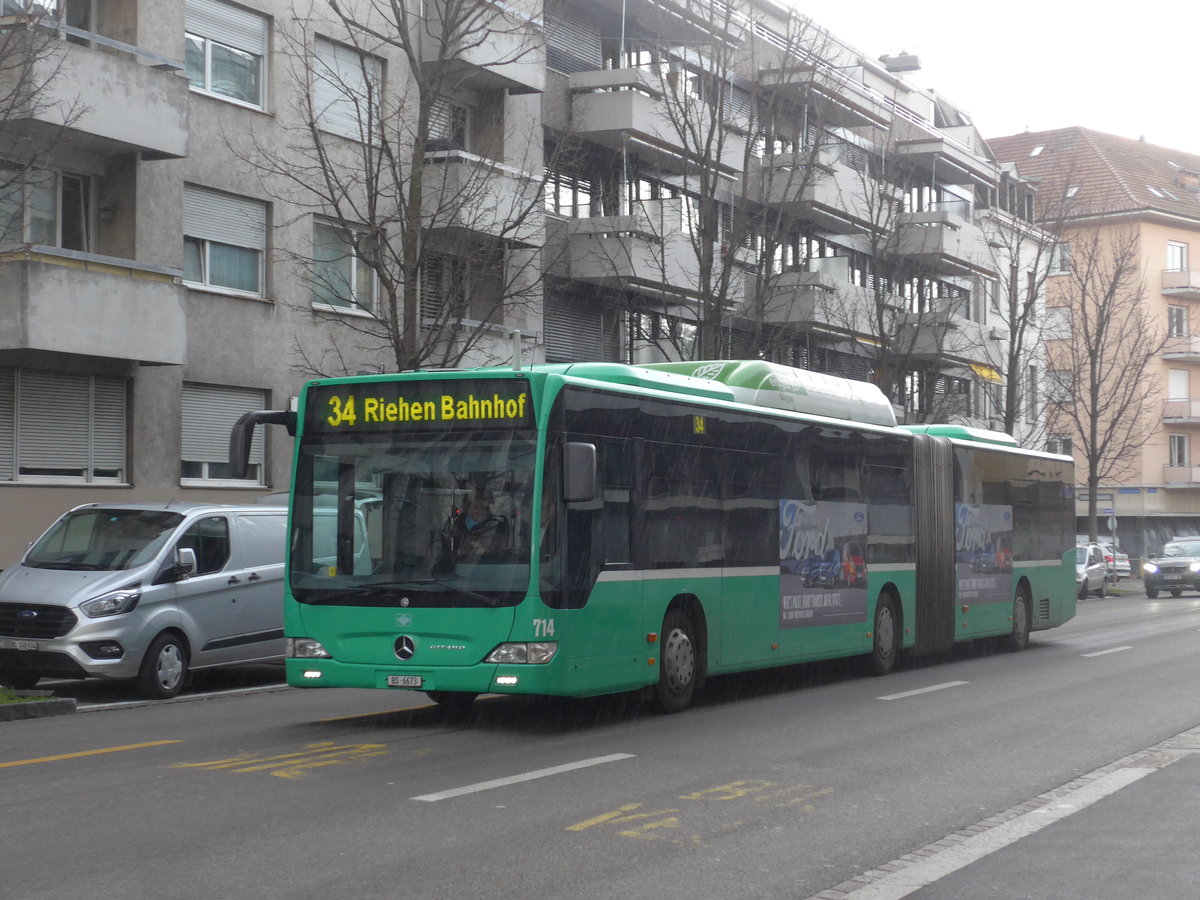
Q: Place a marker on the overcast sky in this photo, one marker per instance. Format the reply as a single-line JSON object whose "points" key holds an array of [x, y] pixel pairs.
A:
{"points": [[1014, 65]]}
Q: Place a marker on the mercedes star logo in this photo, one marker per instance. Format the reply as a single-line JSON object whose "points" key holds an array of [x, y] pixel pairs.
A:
{"points": [[405, 648]]}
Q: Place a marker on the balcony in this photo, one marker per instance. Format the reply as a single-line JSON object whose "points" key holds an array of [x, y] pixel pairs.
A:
{"points": [[128, 100], [500, 49], [821, 187], [631, 109], [1184, 348], [1181, 283], [1181, 475], [465, 195], [647, 248], [945, 241], [796, 299], [837, 96], [940, 334], [950, 154], [1181, 412], [66, 302]]}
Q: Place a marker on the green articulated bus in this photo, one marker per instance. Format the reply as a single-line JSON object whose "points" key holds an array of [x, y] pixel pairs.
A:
{"points": [[588, 528]]}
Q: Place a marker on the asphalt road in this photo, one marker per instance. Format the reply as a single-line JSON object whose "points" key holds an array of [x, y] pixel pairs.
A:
{"points": [[783, 784]]}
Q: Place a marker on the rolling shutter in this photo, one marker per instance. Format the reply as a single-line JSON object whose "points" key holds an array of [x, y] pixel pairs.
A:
{"points": [[209, 412], [229, 25], [572, 43], [576, 331], [8, 450], [224, 218], [58, 424]]}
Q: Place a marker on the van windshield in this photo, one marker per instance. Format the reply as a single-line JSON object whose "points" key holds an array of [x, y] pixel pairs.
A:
{"points": [[103, 539]]}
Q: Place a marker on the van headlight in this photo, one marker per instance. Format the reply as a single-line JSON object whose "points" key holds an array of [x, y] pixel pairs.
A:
{"points": [[122, 600], [534, 653], [1149, 567]]}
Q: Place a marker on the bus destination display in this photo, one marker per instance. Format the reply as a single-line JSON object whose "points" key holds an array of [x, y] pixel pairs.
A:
{"points": [[384, 406]]}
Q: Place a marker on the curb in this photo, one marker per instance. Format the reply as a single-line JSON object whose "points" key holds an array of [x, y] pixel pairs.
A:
{"points": [[34, 709]]}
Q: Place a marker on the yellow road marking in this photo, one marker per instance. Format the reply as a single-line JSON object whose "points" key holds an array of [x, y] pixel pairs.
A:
{"points": [[83, 753], [292, 765]]}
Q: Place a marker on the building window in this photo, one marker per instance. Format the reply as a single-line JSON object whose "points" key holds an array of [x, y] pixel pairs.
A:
{"points": [[341, 277], [61, 427], [1059, 443], [225, 239], [1177, 321], [208, 414], [42, 206], [225, 50], [1032, 401], [449, 126], [1177, 384], [569, 194], [1060, 386], [1177, 256], [1178, 444], [1060, 259], [346, 91]]}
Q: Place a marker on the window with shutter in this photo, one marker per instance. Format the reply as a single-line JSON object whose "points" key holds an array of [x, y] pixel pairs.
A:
{"points": [[57, 426], [346, 85], [225, 47], [208, 414], [225, 238]]}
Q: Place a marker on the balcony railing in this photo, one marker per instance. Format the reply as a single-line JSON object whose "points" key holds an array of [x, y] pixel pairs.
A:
{"points": [[1183, 283], [1181, 410], [1181, 474]]}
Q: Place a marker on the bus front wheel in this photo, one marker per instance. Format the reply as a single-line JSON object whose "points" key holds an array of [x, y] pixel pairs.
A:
{"points": [[453, 703], [677, 663], [886, 635]]}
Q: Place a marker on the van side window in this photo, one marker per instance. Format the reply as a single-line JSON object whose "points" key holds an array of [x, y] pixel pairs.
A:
{"points": [[209, 538]]}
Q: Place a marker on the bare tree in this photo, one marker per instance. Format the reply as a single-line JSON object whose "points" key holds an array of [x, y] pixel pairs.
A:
{"points": [[1101, 344], [422, 170]]}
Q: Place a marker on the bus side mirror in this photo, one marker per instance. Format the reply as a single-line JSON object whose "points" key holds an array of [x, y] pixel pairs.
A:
{"points": [[243, 434], [185, 562], [579, 479]]}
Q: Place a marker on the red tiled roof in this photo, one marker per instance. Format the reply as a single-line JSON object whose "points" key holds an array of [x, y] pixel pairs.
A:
{"points": [[1111, 174]]}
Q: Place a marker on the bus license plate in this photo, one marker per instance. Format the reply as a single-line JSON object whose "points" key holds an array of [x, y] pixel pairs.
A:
{"points": [[405, 681], [14, 644]]}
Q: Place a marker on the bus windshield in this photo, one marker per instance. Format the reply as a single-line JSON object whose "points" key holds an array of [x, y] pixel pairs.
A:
{"points": [[424, 519]]}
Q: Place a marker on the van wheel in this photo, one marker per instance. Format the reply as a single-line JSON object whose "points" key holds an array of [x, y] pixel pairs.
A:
{"points": [[163, 668], [677, 664], [1176, 592], [1152, 593], [1102, 592], [19, 681]]}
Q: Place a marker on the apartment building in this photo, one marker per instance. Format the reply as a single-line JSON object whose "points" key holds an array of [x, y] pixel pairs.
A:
{"points": [[1121, 189], [221, 204]]}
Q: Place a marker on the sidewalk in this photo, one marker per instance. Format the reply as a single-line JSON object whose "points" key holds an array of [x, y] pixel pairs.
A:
{"points": [[1126, 830]]}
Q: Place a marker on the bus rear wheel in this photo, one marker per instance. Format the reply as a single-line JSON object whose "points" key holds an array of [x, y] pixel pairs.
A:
{"points": [[677, 663], [1018, 638], [885, 643]]}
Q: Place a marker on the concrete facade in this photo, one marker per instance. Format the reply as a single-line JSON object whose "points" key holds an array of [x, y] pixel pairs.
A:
{"points": [[637, 236]]}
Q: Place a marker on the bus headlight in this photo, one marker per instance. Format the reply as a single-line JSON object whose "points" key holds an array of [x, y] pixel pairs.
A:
{"points": [[534, 654], [304, 648], [1149, 567]]}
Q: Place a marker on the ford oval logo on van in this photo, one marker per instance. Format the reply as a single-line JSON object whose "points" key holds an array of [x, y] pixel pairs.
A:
{"points": [[27, 614]]}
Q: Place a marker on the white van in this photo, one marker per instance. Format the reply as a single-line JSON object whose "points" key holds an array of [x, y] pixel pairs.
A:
{"points": [[151, 592]]}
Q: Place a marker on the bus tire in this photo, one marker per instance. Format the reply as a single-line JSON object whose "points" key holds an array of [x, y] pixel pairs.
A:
{"points": [[1018, 639], [453, 703], [164, 668], [885, 641], [678, 666]]}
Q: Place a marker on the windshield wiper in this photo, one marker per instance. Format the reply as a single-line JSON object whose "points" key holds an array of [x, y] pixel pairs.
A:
{"points": [[379, 587]]}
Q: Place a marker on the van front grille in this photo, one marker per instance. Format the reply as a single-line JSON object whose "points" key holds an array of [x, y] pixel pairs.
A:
{"points": [[35, 620]]}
